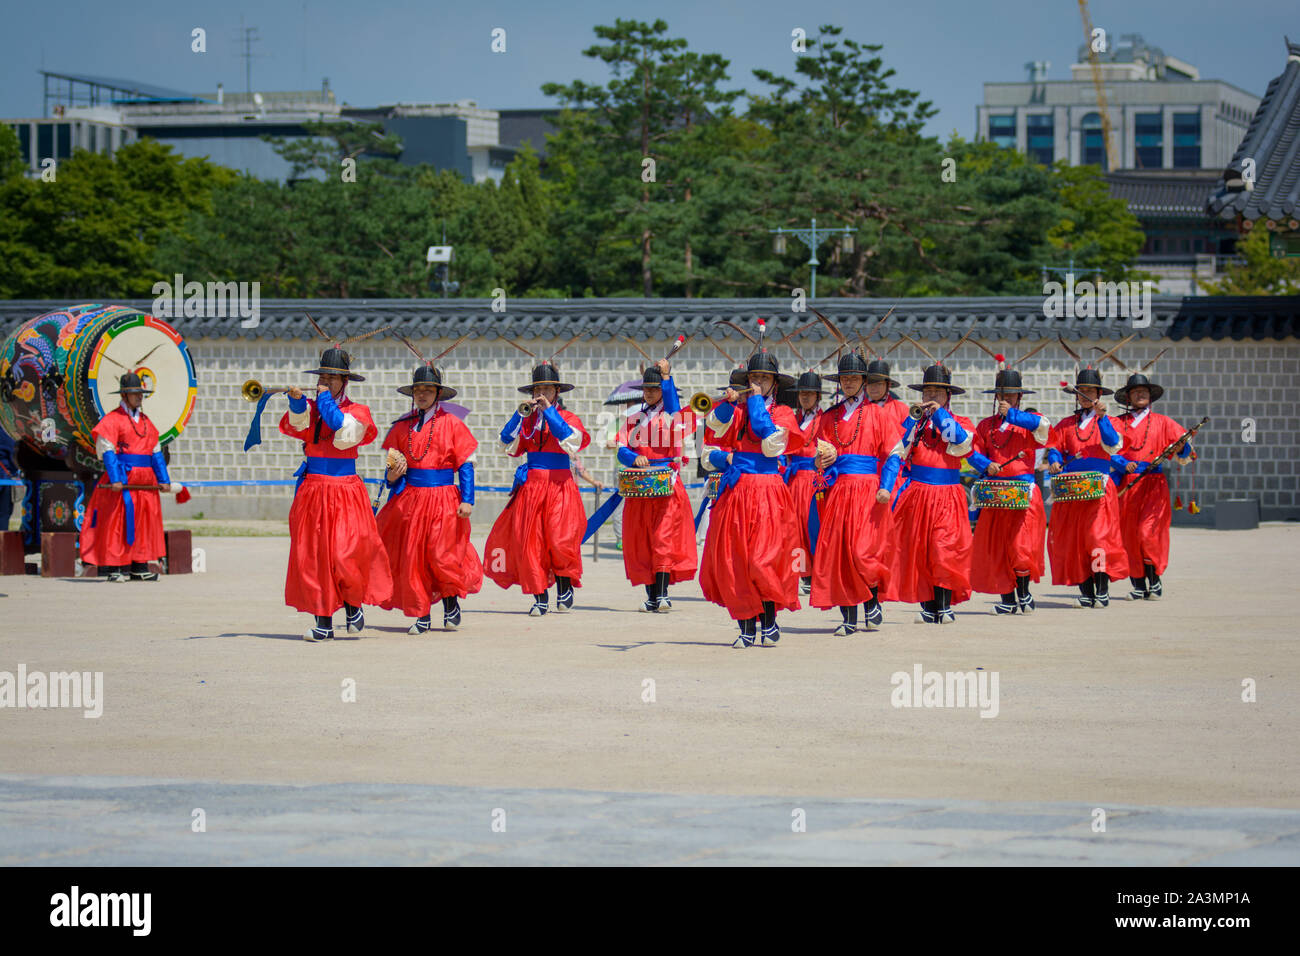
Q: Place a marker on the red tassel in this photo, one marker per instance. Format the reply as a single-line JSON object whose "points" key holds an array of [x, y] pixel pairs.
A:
{"points": [[1178, 502], [1193, 508]]}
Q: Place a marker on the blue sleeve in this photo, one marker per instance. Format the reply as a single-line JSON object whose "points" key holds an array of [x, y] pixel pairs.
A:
{"points": [[297, 405], [672, 405], [1107, 431], [329, 411], [718, 459], [979, 462], [724, 411], [1054, 457], [947, 425], [909, 424], [1119, 462], [559, 427], [626, 456], [889, 474], [512, 427], [1025, 420], [465, 478], [759, 419], [114, 468], [1187, 450], [160, 469]]}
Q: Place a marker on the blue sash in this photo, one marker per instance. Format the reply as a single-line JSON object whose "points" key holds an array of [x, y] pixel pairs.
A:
{"points": [[928, 476], [1107, 468], [843, 465], [745, 463], [319, 465], [541, 460], [602, 513], [422, 478], [128, 462], [796, 464]]}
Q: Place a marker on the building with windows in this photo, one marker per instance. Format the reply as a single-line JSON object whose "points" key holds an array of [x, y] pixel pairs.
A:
{"points": [[1163, 115], [101, 114]]}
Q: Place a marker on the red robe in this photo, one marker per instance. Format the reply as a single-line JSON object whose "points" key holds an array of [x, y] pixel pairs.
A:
{"points": [[658, 533], [335, 555], [1144, 512], [1008, 542], [429, 551], [103, 530], [538, 537], [751, 553], [851, 555], [931, 541], [1083, 537], [802, 444]]}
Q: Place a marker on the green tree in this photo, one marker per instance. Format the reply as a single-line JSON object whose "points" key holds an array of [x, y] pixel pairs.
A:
{"points": [[1261, 273], [331, 142]]}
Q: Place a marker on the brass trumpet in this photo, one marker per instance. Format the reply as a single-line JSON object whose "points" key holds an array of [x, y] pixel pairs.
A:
{"points": [[701, 402], [527, 408], [253, 390], [917, 411]]}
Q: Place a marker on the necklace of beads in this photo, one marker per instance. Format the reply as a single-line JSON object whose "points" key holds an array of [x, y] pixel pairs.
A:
{"points": [[428, 438], [857, 425], [1146, 432], [1078, 418], [139, 432]]}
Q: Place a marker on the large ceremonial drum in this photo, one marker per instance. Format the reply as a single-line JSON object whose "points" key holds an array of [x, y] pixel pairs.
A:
{"points": [[1002, 493], [1078, 486], [59, 373], [645, 482]]}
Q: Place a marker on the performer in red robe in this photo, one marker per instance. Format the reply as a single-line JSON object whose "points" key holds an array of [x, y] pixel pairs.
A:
{"points": [[1144, 510], [1008, 550], [721, 441], [123, 530], [879, 384], [749, 564], [931, 539], [658, 533], [860, 467], [425, 523], [537, 539], [1084, 541], [800, 467], [335, 556]]}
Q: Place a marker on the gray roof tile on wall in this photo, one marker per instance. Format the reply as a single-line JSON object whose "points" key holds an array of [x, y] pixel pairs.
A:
{"points": [[932, 319]]}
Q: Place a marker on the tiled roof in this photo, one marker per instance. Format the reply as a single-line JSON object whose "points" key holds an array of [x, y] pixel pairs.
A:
{"points": [[1174, 317], [1164, 193], [1273, 142]]}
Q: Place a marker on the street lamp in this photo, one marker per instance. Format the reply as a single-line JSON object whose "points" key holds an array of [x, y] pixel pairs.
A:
{"points": [[812, 238]]}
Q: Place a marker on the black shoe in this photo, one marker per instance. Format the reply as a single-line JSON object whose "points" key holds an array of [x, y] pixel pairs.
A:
{"points": [[144, 575], [538, 609], [942, 606], [1087, 593], [845, 629], [927, 615], [422, 625], [1154, 589], [805, 585], [563, 600], [663, 605], [873, 615], [771, 635], [743, 640], [323, 631], [1139, 592], [1007, 604], [356, 619], [1101, 589], [747, 632], [450, 613]]}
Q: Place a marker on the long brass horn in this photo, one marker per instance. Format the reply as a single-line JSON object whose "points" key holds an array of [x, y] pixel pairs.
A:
{"points": [[253, 390]]}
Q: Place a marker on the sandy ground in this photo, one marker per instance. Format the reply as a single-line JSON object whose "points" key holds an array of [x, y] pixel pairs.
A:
{"points": [[206, 678]]}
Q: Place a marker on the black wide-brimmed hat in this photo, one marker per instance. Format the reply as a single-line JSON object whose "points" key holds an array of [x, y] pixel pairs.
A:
{"points": [[1007, 382], [941, 376], [1138, 380], [546, 374], [652, 376], [851, 363], [738, 378], [809, 382], [1092, 377], [878, 371], [130, 382], [765, 361], [335, 362], [428, 375]]}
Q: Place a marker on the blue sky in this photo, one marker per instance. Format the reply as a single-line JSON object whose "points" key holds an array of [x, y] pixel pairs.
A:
{"points": [[382, 51]]}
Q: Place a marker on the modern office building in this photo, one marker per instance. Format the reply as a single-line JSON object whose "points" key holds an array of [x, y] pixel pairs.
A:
{"points": [[101, 114], [1162, 114]]}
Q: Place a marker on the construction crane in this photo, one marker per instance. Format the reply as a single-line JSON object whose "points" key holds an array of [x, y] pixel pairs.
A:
{"points": [[1108, 138]]}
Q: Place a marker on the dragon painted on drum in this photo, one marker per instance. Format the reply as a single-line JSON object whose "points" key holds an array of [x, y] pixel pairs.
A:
{"points": [[51, 394]]}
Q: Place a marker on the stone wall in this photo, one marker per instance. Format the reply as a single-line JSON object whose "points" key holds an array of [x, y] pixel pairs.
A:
{"points": [[1234, 382]]}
